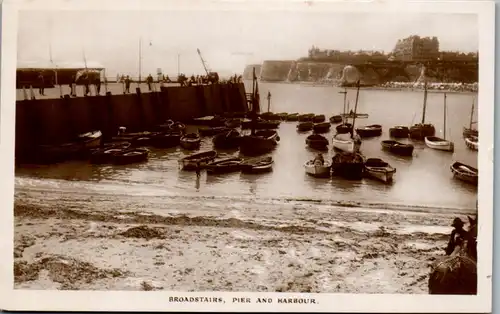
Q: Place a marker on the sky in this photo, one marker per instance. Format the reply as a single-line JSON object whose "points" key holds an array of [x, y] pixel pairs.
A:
{"points": [[228, 40]]}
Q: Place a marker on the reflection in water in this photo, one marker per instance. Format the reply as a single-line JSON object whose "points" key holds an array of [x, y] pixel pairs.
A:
{"points": [[424, 179]]}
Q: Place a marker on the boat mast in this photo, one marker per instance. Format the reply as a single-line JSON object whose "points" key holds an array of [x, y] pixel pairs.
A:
{"points": [[355, 109], [345, 98], [471, 114], [425, 102], [254, 109], [178, 64], [140, 59], [444, 118]]}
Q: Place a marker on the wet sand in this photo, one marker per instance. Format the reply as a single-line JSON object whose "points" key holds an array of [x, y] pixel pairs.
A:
{"points": [[87, 242]]}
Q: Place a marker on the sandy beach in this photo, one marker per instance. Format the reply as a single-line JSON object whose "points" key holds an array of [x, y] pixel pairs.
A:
{"points": [[104, 242]]}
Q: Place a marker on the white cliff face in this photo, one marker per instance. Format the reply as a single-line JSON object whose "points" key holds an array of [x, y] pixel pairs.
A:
{"points": [[350, 75]]}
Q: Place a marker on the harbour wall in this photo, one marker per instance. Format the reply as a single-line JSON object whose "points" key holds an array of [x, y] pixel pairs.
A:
{"points": [[52, 121]]}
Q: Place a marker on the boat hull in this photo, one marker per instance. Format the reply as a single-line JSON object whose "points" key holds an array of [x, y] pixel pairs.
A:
{"points": [[252, 145], [467, 132], [464, 173], [348, 165], [383, 175], [227, 140], [224, 166], [343, 128], [318, 171], [369, 131], [439, 144], [398, 148], [201, 159], [321, 127], [346, 145], [399, 132], [472, 143], [81, 148], [420, 131], [131, 156]]}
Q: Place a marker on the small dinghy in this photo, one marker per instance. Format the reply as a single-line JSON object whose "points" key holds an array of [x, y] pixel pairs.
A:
{"points": [[370, 130], [399, 131], [190, 141], [269, 116], [260, 124], [346, 143], [177, 127], [210, 131], [317, 168], [257, 165], [438, 143], [380, 170], [343, 128], [262, 142], [105, 155], [166, 140], [283, 116], [472, 142], [464, 172], [227, 140], [317, 141], [224, 165], [79, 147], [212, 121], [233, 123], [308, 117], [352, 115], [292, 117], [323, 127], [397, 148], [319, 118], [348, 165], [336, 119], [131, 156], [191, 162], [305, 126]]}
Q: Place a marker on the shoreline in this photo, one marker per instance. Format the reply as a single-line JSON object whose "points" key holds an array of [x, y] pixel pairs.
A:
{"points": [[108, 245]]}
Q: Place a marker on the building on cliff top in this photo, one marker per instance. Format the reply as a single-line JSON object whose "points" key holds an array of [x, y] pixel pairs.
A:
{"points": [[416, 48]]}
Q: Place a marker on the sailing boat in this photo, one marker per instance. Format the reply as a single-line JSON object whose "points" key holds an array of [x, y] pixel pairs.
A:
{"points": [[440, 143], [468, 132], [421, 130], [348, 142], [345, 127], [257, 142]]}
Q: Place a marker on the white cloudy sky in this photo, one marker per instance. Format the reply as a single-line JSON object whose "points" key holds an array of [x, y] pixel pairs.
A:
{"points": [[227, 39]]}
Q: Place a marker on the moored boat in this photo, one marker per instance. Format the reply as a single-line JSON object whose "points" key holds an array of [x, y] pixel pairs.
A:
{"points": [[130, 156], [319, 118], [317, 141], [370, 130], [177, 127], [348, 165], [317, 168], [308, 117], [322, 127], [472, 142], [79, 147], [343, 128], [227, 140], [210, 131], [356, 115], [261, 142], [270, 116], [292, 117], [380, 170], [233, 123], [212, 121], [470, 131], [305, 126], [201, 159], [283, 116], [260, 124], [421, 130], [257, 165], [224, 165], [166, 140], [464, 172], [399, 131], [438, 143], [104, 155], [397, 148], [190, 141], [336, 119], [344, 142]]}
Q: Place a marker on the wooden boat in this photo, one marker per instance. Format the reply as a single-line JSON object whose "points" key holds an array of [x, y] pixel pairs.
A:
{"points": [[224, 165], [380, 170], [166, 140], [323, 127], [209, 131], [397, 148], [191, 162], [177, 127], [105, 155], [257, 165], [319, 118], [344, 128], [305, 126], [440, 143], [352, 115], [283, 116], [79, 147], [130, 136], [472, 142], [308, 117], [190, 141], [212, 121], [260, 124], [261, 142], [292, 117], [316, 169], [233, 123], [470, 131], [464, 172], [130, 156], [346, 143], [227, 140], [370, 130], [236, 114], [165, 126], [317, 141], [420, 130], [336, 119], [348, 165], [269, 116], [399, 131]]}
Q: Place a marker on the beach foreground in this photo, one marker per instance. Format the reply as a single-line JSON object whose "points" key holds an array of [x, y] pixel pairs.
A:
{"points": [[109, 244]]}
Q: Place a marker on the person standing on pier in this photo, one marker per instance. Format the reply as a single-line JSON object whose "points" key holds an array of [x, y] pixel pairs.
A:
{"points": [[98, 85], [149, 81], [127, 84], [86, 83], [41, 81]]}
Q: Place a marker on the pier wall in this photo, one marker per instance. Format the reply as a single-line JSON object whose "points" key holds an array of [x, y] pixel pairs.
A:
{"points": [[50, 121]]}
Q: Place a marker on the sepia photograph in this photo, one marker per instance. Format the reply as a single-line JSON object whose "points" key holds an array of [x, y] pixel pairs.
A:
{"points": [[228, 156]]}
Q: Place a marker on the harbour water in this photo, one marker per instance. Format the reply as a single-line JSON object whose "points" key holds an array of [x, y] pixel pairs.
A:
{"points": [[424, 180]]}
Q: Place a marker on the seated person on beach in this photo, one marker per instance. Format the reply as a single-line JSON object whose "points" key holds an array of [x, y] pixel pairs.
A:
{"points": [[457, 236], [319, 160]]}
